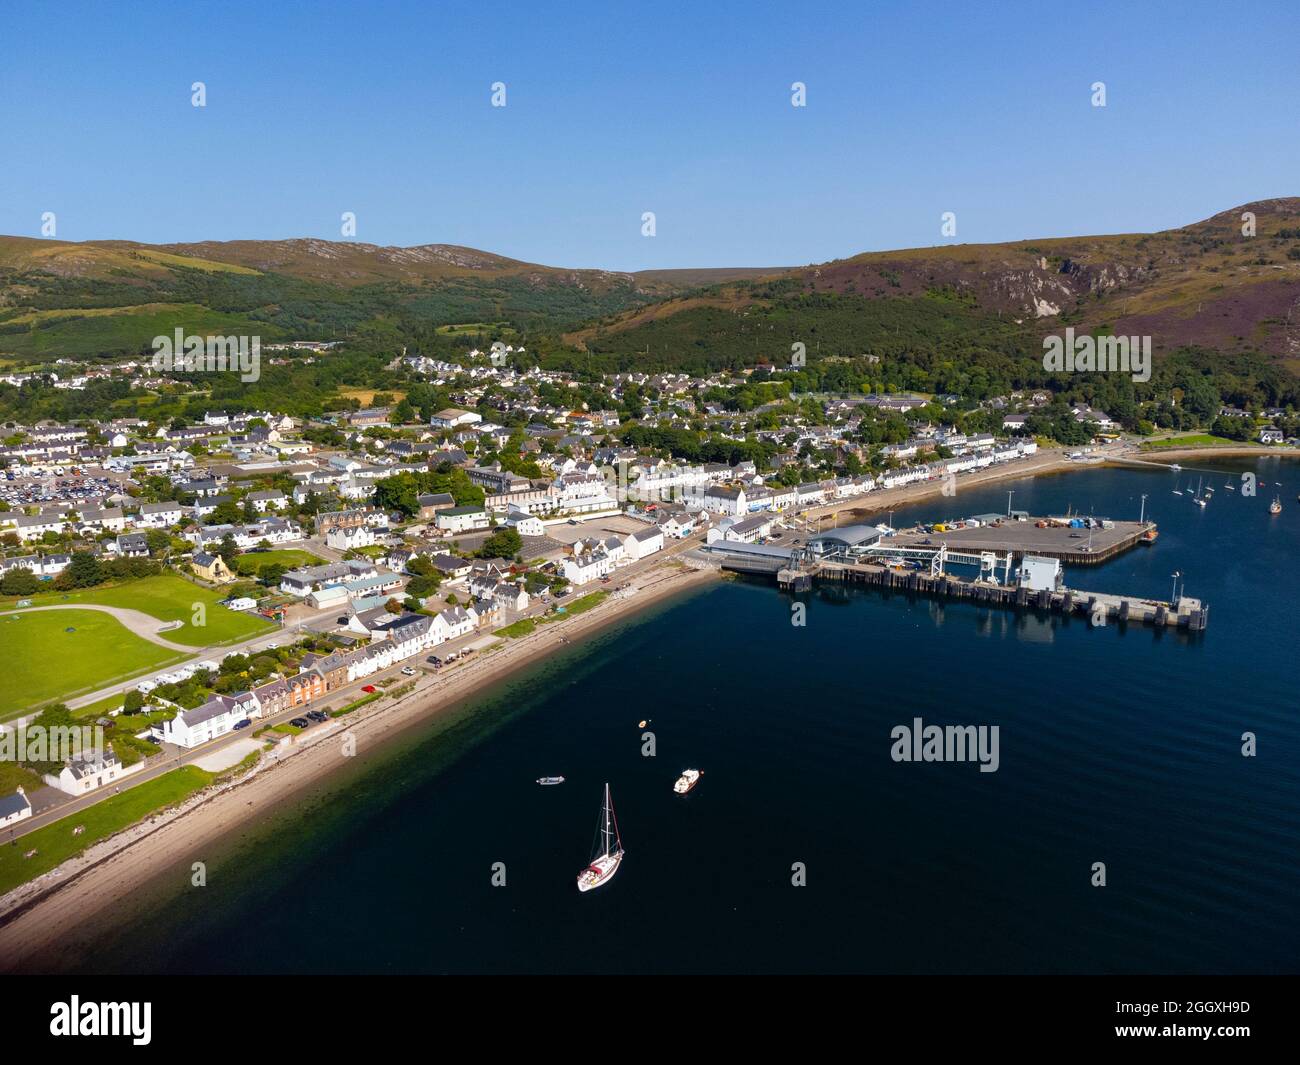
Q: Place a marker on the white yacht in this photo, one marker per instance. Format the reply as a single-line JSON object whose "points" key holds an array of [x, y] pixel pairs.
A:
{"points": [[688, 780], [609, 854]]}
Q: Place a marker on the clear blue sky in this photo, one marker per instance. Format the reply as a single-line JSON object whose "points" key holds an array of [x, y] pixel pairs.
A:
{"points": [[614, 109]]}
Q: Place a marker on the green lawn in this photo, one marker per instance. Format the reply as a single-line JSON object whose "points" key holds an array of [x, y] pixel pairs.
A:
{"points": [[100, 707], [1196, 440], [55, 844], [166, 597], [250, 564], [356, 705], [43, 663], [525, 626]]}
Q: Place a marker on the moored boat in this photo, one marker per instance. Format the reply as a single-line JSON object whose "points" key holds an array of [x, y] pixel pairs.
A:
{"points": [[688, 780], [1275, 507], [609, 855], [550, 780]]}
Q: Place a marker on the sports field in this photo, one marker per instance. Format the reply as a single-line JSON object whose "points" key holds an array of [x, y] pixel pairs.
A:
{"points": [[166, 597], [43, 662]]}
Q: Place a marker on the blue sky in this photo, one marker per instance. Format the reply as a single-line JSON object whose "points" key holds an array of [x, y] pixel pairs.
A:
{"points": [[615, 109]]}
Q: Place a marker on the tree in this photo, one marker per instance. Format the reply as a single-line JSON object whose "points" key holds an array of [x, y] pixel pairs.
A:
{"points": [[393, 606], [229, 550], [83, 571], [423, 586], [19, 582], [159, 542], [504, 543], [226, 513]]}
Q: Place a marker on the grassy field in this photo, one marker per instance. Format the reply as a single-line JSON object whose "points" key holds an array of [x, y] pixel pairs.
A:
{"points": [[100, 706], [525, 626], [55, 844], [43, 663], [250, 564], [1195, 440], [166, 597]]}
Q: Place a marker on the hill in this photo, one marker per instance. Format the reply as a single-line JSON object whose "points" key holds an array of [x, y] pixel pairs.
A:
{"points": [[1204, 285], [109, 297]]}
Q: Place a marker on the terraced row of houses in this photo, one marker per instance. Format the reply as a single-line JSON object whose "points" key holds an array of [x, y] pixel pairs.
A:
{"points": [[399, 639]]}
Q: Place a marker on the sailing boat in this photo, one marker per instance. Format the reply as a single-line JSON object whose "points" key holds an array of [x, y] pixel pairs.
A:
{"points": [[1275, 507], [1199, 500], [606, 862]]}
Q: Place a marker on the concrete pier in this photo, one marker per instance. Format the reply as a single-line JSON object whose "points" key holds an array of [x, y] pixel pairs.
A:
{"points": [[1098, 607]]}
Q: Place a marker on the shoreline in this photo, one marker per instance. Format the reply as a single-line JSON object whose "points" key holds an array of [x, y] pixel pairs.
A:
{"points": [[38, 915], [34, 917]]}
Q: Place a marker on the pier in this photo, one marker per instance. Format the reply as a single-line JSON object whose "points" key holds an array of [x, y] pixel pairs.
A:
{"points": [[1099, 608], [917, 563], [1073, 546]]}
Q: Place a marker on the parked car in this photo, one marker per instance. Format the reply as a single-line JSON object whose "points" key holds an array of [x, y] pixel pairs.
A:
{"points": [[369, 689], [242, 724], [407, 671], [300, 722]]}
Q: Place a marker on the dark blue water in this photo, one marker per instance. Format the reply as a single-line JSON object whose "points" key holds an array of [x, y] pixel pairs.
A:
{"points": [[1120, 746]]}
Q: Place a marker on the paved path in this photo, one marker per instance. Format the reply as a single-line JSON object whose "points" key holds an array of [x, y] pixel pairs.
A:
{"points": [[137, 621]]}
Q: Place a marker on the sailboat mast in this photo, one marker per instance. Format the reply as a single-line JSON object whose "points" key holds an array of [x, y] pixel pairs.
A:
{"points": [[606, 829]]}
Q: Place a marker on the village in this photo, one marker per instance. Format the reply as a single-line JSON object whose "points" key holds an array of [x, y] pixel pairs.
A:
{"points": [[373, 540]]}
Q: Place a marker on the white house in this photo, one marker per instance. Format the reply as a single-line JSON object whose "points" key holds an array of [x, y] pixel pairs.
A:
{"points": [[642, 543], [461, 519], [510, 595], [456, 621], [587, 566], [159, 515], [349, 537], [15, 807], [725, 500], [94, 770], [214, 718], [525, 524], [453, 417], [748, 530]]}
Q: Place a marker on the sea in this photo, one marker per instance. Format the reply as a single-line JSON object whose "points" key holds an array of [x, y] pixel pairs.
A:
{"points": [[1144, 815]]}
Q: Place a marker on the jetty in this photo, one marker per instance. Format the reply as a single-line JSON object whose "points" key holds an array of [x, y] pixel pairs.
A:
{"points": [[1014, 564]]}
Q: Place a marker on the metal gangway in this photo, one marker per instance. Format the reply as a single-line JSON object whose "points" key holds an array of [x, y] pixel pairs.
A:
{"points": [[934, 558]]}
